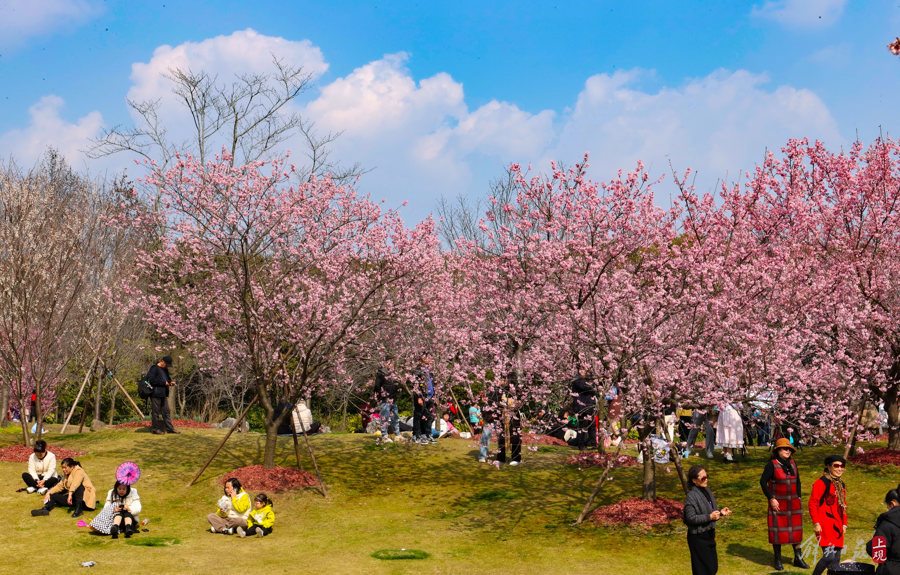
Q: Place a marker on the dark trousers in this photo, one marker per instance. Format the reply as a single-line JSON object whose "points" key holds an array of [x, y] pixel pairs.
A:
{"points": [[61, 499], [697, 420], [515, 442], [831, 557], [48, 483], [423, 415], [704, 560], [587, 431], [159, 414]]}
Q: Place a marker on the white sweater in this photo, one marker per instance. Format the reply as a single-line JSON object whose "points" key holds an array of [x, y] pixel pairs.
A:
{"points": [[132, 500], [45, 467]]}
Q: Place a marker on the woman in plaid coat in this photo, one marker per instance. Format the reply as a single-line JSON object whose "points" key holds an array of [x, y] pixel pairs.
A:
{"points": [[780, 483]]}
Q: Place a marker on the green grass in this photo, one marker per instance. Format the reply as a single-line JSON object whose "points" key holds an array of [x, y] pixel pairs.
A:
{"points": [[433, 506]]}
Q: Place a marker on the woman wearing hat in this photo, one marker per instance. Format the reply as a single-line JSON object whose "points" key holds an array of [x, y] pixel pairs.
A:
{"points": [[780, 482], [828, 509]]}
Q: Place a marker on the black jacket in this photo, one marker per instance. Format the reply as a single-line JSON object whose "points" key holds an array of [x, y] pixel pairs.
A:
{"points": [[158, 378], [585, 397], [385, 387], [698, 506], [888, 526]]}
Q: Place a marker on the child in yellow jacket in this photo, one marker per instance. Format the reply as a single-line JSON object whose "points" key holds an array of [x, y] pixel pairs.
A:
{"points": [[261, 519]]}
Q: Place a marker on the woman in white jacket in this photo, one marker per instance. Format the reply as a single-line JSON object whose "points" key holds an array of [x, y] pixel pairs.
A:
{"points": [[120, 512]]}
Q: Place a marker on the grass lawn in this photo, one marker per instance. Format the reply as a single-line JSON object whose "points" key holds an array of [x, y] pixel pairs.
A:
{"points": [[393, 502]]}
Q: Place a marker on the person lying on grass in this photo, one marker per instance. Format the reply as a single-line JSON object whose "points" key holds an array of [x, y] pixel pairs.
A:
{"points": [[261, 519]]}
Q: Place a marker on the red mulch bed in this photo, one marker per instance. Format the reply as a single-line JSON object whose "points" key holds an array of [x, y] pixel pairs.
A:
{"points": [[594, 459], [535, 439], [879, 456], [258, 478], [636, 511], [21, 453], [188, 423], [531, 439]]}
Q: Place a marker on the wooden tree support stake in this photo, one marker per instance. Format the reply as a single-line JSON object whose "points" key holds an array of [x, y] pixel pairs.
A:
{"points": [[224, 439], [121, 387], [77, 397], [602, 481], [313, 457]]}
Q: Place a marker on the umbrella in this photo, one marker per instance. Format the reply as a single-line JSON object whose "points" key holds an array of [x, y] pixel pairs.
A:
{"points": [[128, 473]]}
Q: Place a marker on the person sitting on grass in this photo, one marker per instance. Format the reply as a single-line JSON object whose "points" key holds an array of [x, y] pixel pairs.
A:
{"points": [[120, 512], [262, 518], [75, 491], [442, 427], [234, 508], [41, 475]]}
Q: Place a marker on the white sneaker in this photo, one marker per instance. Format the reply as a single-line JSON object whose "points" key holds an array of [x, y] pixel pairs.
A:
{"points": [[42, 490], [388, 440], [228, 531], [259, 533], [212, 529], [482, 460], [241, 532], [30, 490], [513, 462]]}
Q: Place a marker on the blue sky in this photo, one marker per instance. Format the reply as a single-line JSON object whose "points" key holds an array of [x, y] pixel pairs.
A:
{"points": [[436, 98]]}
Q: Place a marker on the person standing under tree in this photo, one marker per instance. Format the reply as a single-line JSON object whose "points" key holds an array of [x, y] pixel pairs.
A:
{"points": [[700, 515], [159, 378], [423, 401], [780, 482], [828, 510], [386, 397]]}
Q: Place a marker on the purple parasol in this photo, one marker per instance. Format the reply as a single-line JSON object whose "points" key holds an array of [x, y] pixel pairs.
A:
{"points": [[128, 473]]}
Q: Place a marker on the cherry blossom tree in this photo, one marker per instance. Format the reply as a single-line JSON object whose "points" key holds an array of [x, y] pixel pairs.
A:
{"points": [[283, 279], [54, 243]]}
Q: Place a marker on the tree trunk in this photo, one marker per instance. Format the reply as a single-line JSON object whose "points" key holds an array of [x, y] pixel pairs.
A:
{"points": [[4, 404], [649, 479], [113, 391], [271, 443], [98, 393], [893, 411], [171, 401]]}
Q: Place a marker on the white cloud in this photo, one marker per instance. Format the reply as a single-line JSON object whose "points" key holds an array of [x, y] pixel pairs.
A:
{"points": [[48, 128], [224, 57], [22, 20], [801, 13], [836, 55], [420, 139], [719, 125]]}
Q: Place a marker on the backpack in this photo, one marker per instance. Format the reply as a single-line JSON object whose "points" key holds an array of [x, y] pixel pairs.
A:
{"points": [[145, 390]]}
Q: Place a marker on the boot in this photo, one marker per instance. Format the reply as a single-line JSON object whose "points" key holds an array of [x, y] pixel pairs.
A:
{"points": [[778, 565], [78, 510], [798, 559], [129, 530], [114, 532], [45, 510]]}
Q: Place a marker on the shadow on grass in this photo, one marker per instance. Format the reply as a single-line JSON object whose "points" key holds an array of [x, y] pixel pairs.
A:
{"points": [[753, 554]]}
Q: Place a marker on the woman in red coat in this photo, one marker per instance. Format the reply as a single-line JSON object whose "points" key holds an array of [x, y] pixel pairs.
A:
{"points": [[780, 483], [828, 510]]}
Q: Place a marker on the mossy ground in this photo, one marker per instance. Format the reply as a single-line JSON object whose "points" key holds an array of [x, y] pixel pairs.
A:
{"points": [[467, 517]]}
